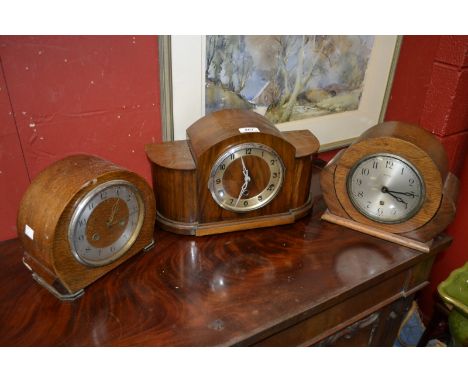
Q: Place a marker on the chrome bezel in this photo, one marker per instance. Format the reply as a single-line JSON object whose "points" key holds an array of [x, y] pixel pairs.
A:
{"points": [[83, 202], [233, 150], [349, 180]]}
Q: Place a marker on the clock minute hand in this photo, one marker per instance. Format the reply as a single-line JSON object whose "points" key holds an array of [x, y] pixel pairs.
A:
{"points": [[386, 191], [402, 193], [245, 172], [243, 189], [114, 210]]}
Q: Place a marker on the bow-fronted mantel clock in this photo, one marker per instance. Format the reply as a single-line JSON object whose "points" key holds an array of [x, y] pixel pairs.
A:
{"points": [[80, 218], [235, 171]]}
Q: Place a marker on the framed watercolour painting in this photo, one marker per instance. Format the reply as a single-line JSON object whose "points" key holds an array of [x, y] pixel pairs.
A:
{"points": [[335, 86]]}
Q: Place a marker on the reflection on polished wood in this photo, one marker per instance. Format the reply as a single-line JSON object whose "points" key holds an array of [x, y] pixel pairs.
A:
{"points": [[311, 282]]}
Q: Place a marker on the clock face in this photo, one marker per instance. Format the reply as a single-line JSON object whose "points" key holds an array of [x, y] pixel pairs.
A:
{"points": [[246, 177], [106, 223], [386, 188]]}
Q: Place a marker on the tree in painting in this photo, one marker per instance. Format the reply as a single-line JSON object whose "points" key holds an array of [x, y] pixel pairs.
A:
{"points": [[286, 77]]}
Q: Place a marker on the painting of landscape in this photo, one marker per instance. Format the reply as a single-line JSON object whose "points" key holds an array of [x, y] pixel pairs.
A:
{"points": [[286, 78]]}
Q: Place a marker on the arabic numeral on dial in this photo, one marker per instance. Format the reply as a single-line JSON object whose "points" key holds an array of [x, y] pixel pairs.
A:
{"points": [[218, 181], [402, 170], [273, 161], [380, 211], [271, 187], [275, 175], [112, 249], [389, 164], [411, 182], [360, 194], [375, 164], [231, 201], [246, 203], [368, 204], [248, 151], [222, 167], [365, 171], [260, 198], [394, 211], [359, 181]]}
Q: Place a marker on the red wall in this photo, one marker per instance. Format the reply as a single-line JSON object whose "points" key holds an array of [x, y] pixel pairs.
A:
{"points": [[431, 89], [61, 95]]}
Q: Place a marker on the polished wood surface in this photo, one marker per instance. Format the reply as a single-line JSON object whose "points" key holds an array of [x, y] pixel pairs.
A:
{"points": [[295, 284], [48, 206], [186, 166], [424, 151], [420, 246]]}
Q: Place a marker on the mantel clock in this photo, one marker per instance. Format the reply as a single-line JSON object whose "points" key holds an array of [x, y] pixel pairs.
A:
{"points": [[392, 182], [235, 171], [80, 218]]}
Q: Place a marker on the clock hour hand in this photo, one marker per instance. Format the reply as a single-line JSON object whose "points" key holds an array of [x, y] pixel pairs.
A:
{"points": [[245, 172], [115, 208], [385, 190], [402, 193]]}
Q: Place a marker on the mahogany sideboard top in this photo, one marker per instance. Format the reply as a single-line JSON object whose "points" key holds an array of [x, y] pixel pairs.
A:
{"points": [[241, 288]]}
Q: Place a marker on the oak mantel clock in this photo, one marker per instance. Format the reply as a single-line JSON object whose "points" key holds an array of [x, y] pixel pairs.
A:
{"points": [[392, 182], [235, 171], [80, 218]]}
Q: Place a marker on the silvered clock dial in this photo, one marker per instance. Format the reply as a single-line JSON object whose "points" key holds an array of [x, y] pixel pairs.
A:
{"points": [[386, 188]]}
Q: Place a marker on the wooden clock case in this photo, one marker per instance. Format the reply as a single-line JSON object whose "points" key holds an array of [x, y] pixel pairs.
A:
{"points": [[48, 206], [181, 171], [425, 152]]}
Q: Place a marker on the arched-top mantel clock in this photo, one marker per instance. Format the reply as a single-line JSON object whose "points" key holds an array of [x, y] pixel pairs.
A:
{"points": [[235, 171]]}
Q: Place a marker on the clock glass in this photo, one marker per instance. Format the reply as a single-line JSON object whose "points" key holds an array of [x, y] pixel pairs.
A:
{"points": [[106, 223], [246, 177], [386, 188]]}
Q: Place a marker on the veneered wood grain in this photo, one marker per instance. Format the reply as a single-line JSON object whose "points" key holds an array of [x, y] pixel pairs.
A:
{"points": [[369, 230], [175, 155], [418, 157], [175, 192], [224, 124], [327, 185], [417, 136], [424, 151], [208, 209], [387, 290], [304, 141], [228, 289], [186, 166], [48, 205], [445, 214]]}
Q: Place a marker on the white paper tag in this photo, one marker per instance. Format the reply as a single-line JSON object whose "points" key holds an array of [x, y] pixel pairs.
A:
{"points": [[29, 232], [249, 130]]}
